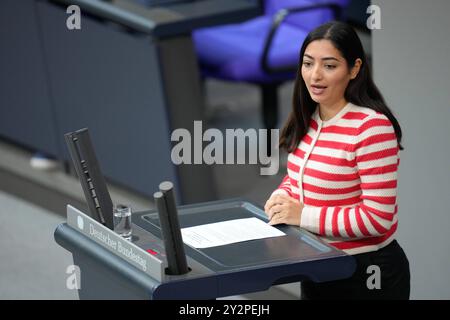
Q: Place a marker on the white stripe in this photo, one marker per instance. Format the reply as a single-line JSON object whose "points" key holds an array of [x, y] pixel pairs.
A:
{"points": [[335, 153], [354, 224], [329, 221], [343, 154], [368, 248], [387, 208], [330, 239], [341, 225], [354, 228], [352, 123], [379, 177], [368, 224], [373, 131], [344, 138], [377, 147], [295, 160], [378, 162], [380, 192], [303, 145], [368, 111], [387, 224], [295, 190], [325, 167], [306, 157], [279, 191], [294, 175], [329, 183], [341, 196]]}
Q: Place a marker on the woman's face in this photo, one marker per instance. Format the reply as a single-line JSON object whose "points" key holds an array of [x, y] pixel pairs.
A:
{"points": [[326, 73]]}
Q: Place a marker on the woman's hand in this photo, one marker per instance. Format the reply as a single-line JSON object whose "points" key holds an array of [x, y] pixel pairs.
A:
{"points": [[283, 209]]}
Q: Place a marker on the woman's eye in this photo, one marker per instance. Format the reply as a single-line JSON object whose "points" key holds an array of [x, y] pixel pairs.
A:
{"points": [[330, 66], [307, 64]]}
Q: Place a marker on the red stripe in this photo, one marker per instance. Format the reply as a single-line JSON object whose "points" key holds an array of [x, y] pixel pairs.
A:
{"points": [[348, 227], [323, 214], [288, 190], [361, 226], [320, 190], [313, 124], [377, 155], [307, 139], [345, 245], [330, 176], [374, 123], [335, 222], [354, 115], [285, 185], [379, 185], [292, 166], [349, 131], [378, 170], [299, 153], [333, 161], [382, 137], [335, 145], [332, 203], [382, 214], [380, 229], [351, 147], [285, 179], [380, 199], [360, 222]]}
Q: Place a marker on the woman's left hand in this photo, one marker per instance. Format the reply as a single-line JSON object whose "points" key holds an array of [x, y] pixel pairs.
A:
{"points": [[283, 209]]}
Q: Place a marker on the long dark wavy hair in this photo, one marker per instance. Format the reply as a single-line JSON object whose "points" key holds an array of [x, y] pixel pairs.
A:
{"points": [[360, 91]]}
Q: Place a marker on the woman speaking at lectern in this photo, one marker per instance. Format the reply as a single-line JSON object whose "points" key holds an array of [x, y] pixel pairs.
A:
{"points": [[343, 144]]}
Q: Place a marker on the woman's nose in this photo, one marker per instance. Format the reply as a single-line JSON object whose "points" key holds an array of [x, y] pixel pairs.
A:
{"points": [[316, 73]]}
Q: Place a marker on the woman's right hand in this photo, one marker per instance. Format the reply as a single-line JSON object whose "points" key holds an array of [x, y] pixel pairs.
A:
{"points": [[281, 208]]}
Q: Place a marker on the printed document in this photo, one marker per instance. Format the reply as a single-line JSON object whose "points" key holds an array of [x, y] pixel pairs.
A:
{"points": [[226, 232]]}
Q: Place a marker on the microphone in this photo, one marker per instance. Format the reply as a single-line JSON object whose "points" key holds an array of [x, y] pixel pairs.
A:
{"points": [[170, 227]]}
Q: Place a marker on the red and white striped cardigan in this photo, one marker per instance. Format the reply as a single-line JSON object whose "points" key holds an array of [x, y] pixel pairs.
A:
{"points": [[345, 172]]}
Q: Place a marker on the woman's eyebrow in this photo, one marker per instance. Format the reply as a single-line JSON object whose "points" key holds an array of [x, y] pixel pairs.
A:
{"points": [[326, 58], [330, 58]]}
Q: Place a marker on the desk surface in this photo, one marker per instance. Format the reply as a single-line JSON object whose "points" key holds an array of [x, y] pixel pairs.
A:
{"points": [[298, 245]]}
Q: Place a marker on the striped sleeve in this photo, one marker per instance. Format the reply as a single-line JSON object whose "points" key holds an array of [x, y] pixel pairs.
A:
{"points": [[284, 187], [376, 156]]}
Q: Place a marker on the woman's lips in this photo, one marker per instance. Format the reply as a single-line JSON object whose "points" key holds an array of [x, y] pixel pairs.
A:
{"points": [[317, 90]]}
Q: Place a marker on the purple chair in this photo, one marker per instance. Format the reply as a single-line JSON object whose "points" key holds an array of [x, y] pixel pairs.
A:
{"points": [[264, 50]]}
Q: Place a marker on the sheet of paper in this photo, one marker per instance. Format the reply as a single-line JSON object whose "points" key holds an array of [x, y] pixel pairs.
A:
{"points": [[226, 232]]}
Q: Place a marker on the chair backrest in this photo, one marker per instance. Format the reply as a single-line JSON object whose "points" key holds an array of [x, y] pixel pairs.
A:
{"points": [[306, 20]]}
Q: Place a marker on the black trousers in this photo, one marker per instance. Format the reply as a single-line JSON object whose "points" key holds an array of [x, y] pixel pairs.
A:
{"points": [[393, 278]]}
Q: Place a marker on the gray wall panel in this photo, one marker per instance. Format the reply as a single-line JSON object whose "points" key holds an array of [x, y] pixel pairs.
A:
{"points": [[25, 106], [109, 81], [412, 68]]}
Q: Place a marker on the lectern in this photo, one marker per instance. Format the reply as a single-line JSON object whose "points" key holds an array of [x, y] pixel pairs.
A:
{"points": [[113, 268], [156, 264]]}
